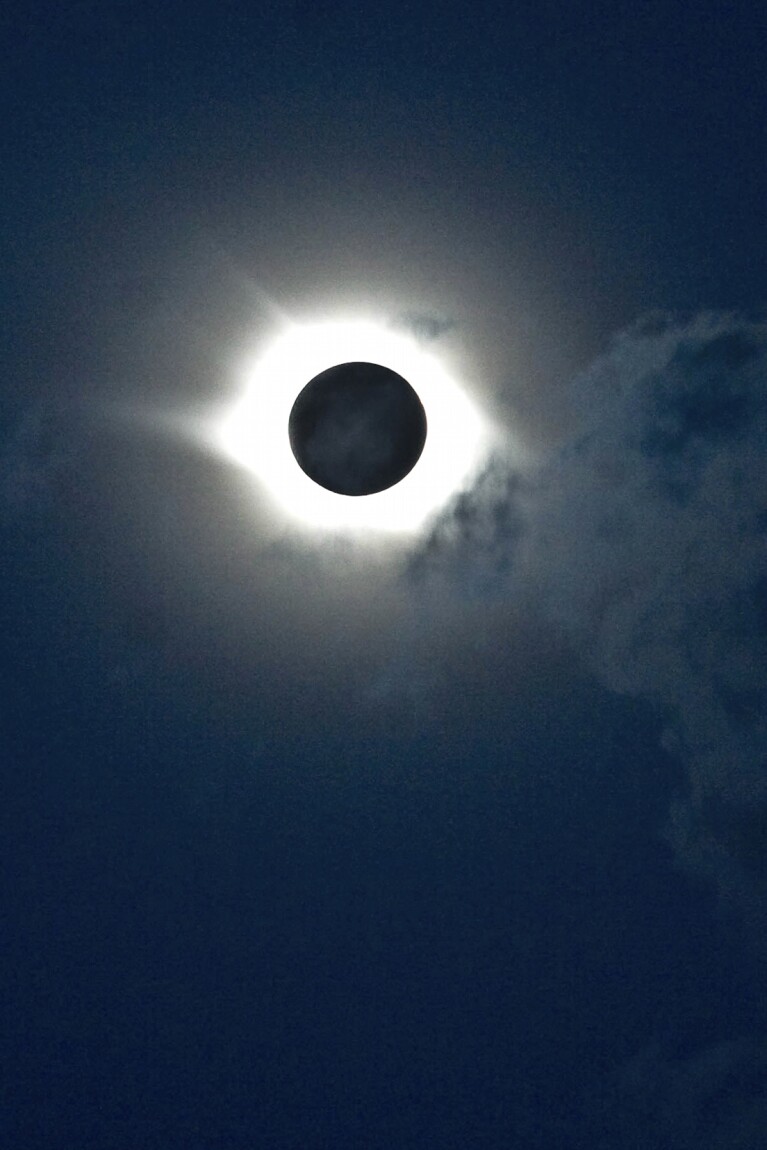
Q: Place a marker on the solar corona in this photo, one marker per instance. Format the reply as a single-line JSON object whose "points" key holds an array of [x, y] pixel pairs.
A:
{"points": [[353, 426]]}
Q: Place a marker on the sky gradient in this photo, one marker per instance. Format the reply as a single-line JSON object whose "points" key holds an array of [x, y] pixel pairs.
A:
{"points": [[456, 838]]}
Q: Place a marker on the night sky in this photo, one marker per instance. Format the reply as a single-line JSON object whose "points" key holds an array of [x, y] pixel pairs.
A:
{"points": [[452, 837]]}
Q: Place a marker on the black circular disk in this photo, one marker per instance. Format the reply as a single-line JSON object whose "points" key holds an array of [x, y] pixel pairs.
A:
{"points": [[357, 428]]}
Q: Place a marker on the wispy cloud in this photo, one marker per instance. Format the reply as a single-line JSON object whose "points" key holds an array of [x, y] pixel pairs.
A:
{"points": [[425, 326], [646, 540], [32, 455], [711, 1099]]}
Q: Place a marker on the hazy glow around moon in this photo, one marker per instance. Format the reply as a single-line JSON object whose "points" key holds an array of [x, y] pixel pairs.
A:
{"points": [[254, 430]]}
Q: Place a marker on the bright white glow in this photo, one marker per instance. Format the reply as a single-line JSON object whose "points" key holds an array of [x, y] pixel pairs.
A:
{"points": [[254, 431]]}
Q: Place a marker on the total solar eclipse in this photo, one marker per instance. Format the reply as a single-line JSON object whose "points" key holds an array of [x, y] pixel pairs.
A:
{"points": [[307, 472], [357, 428]]}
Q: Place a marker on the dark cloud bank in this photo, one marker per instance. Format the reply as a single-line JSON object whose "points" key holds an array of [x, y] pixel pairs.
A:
{"points": [[645, 540]]}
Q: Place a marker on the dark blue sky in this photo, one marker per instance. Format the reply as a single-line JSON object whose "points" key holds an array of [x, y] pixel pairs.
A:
{"points": [[455, 843]]}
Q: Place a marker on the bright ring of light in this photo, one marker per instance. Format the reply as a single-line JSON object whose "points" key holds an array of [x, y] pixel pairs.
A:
{"points": [[254, 431]]}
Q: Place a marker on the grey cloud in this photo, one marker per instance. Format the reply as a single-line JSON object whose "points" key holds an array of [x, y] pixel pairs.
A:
{"points": [[474, 543], [712, 1099], [645, 539], [425, 326], [650, 532], [33, 455]]}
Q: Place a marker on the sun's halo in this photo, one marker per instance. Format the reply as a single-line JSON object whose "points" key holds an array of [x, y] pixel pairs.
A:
{"points": [[253, 431]]}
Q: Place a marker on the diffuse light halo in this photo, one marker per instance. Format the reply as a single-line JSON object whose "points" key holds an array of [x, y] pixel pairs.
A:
{"points": [[253, 431]]}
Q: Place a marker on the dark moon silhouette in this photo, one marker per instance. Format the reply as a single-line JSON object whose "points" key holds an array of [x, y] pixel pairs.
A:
{"points": [[357, 428]]}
